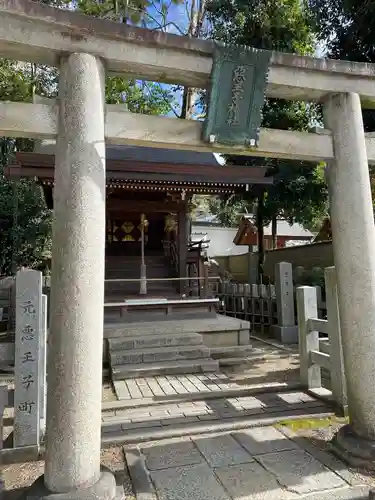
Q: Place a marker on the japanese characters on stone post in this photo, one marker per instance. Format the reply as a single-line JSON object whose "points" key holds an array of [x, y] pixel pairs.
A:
{"points": [[285, 294], [27, 354]]}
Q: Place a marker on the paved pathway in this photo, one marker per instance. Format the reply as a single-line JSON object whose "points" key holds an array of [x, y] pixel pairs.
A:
{"points": [[189, 416], [263, 463]]}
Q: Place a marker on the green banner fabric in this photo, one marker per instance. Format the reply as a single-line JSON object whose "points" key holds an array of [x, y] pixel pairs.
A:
{"points": [[236, 97]]}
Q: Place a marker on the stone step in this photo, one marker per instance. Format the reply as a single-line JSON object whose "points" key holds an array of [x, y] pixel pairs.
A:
{"points": [[122, 372], [133, 272], [219, 323], [148, 341], [236, 361], [123, 433], [236, 351], [156, 354], [151, 285]]}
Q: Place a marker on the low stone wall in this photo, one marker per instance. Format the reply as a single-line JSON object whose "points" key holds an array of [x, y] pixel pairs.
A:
{"points": [[243, 268]]}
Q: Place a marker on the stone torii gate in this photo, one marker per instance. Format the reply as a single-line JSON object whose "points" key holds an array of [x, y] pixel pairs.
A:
{"points": [[84, 49]]}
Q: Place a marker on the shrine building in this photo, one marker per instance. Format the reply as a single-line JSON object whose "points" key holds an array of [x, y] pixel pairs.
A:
{"points": [[148, 192]]}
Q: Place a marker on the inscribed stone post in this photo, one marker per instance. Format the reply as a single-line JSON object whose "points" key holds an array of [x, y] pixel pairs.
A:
{"points": [[27, 374], [286, 329]]}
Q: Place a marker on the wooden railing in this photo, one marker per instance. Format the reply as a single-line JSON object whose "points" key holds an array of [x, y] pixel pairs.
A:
{"points": [[7, 304], [197, 245], [174, 256]]}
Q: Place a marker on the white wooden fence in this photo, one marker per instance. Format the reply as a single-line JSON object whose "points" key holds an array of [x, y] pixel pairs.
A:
{"points": [[317, 353]]}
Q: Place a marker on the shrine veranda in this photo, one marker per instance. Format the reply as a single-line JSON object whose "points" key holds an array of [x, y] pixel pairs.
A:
{"points": [[85, 49]]}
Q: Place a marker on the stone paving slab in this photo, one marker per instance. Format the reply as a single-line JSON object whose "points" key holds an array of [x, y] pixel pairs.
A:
{"points": [[261, 440], [173, 455], [220, 408], [159, 387], [196, 482], [298, 471], [109, 405], [219, 467], [251, 481], [221, 451]]}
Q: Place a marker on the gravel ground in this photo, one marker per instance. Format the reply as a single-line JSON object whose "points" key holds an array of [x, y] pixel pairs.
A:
{"points": [[320, 437], [19, 476], [276, 366], [108, 392]]}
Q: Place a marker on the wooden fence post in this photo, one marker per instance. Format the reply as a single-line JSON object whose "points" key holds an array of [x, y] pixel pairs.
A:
{"points": [[205, 280], [338, 380], [307, 307]]}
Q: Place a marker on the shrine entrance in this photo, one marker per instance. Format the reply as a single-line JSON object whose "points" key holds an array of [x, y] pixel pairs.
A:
{"points": [[124, 233]]}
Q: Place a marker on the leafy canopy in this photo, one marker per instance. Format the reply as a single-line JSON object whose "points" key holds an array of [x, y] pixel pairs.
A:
{"points": [[25, 221]]}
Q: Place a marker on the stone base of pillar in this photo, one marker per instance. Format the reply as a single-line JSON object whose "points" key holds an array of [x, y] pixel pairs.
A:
{"points": [[353, 449], [104, 489], [285, 334], [143, 282]]}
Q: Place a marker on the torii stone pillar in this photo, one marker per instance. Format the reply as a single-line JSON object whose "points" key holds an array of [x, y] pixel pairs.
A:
{"points": [[353, 235], [73, 438]]}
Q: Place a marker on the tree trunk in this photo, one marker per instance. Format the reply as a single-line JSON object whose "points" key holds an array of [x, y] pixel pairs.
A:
{"points": [[260, 228], [187, 103], [274, 232], [196, 20]]}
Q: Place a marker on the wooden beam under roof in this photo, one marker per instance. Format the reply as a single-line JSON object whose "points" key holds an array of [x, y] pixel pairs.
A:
{"points": [[42, 166]]}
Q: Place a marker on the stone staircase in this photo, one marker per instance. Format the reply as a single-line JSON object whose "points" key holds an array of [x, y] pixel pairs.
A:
{"points": [[134, 356], [128, 268]]}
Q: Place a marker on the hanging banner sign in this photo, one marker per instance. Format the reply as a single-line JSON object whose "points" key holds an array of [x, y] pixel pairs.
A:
{"points": [[236, 97]]}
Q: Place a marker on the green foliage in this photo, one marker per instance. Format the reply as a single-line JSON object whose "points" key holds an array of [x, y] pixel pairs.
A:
{"points": [[228, 210], [140, 97], [283, 25], [128, 11], [346, 30], [25, 221], [313, 277]]}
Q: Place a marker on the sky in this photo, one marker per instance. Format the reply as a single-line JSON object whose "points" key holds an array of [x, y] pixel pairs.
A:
{"points": [[177, 19], [176, 22]]}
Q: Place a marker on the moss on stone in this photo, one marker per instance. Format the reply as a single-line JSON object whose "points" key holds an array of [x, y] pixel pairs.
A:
{"points": [[313, 423]]}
